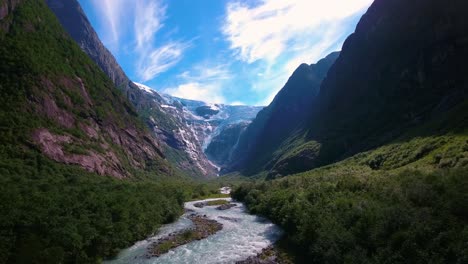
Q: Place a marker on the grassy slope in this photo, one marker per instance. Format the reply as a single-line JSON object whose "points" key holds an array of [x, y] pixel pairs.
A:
{"points": [[403, 202]]}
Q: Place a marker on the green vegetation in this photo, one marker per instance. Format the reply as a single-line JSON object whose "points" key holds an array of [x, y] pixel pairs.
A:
{"points": [[405, 202], [54, 213], [58, 213]]}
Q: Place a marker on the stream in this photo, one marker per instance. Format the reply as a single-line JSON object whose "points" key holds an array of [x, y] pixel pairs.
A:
{"points": [[243, 235]]}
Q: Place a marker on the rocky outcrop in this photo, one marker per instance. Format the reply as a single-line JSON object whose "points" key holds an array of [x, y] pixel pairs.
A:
{"points": [[53, 146]]}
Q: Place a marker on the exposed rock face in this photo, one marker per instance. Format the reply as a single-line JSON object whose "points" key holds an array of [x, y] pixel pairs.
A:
{"points": [[52, 145], [291, 107], [138, 147], [222, 145]]}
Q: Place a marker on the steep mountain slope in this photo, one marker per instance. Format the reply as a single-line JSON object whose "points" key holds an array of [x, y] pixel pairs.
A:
{"points": [[402, 68], [287, 114], [57, 100], [74, 20]]}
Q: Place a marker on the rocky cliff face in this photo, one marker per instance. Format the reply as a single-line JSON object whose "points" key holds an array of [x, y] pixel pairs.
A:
{"points": [[60, 103], [222, 145], [401, 69], [285, 116]]}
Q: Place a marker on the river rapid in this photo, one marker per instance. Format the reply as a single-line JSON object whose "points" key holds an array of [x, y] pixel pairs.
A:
{"points": [[243, 235]]}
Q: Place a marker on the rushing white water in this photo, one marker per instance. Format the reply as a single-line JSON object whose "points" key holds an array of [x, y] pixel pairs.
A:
{"points": [[238, 240]]}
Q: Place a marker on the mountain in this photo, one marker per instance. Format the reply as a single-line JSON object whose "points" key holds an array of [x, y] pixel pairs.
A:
{"points": [[188, 159], [81, 174], [62, 104], [209, 120], [378, 172], [190, 126], [401, 82], [401, 69], [286, 114], [180, 142]]}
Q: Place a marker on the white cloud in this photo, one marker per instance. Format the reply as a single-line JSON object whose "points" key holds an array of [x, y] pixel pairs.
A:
{"points": [[265, 31], [148, 20], [198, 91], [111, 13], [160, 60], [203, 82], [138, 23], [279, 35]]}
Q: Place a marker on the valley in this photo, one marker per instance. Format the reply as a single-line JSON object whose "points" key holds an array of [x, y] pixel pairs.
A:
{"points": [[360, 157]]}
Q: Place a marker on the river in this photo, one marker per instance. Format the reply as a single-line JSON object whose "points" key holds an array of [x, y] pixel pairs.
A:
{"points": [[238, 240]]}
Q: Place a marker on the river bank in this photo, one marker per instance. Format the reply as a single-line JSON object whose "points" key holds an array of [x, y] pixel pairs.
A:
{"points": [[242, 236]]}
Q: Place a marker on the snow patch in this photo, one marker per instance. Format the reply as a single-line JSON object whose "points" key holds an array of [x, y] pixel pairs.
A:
{"points": [[145, 88]]}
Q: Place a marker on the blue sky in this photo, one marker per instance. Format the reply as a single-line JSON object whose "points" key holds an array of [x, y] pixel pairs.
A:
{"points": [[221, 51]]}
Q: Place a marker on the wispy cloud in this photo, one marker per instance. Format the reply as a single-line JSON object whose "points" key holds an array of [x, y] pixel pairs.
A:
{"points": [[148, 20], [111, 12], [136, 24], [160, 60]]}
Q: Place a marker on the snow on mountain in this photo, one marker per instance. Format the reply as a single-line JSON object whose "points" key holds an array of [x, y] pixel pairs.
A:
{"points": [[198, 123], [208, 120]]}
